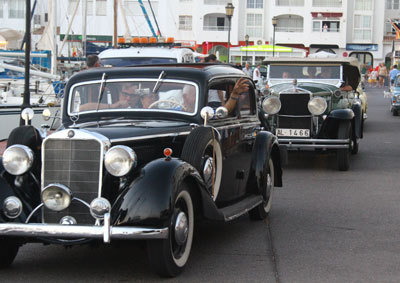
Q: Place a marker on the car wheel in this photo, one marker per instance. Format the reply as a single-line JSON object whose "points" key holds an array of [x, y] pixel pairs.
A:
{"points": [[354, 145], [203, 151], [395, 112], [9, 250], [343, 154], [261, 211], [168, 257]]}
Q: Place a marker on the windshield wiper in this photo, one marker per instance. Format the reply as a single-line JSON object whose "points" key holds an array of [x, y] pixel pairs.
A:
{"points": [[160, 77], [101, 90]]}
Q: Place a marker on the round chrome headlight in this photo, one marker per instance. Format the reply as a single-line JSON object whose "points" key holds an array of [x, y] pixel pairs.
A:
{"points": [[119, 160], [317, 105], [271, 105], [99, 207], [17, 159], [56, 197]]}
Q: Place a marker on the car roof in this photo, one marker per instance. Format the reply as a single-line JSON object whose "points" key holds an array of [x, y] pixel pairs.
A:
{"points": [[158, 52], [189, 71], [307, 60]]}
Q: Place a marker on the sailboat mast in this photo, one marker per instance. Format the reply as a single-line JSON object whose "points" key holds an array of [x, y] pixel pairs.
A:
{"points": [[115, 24], [84, 22], [27, 97], [53, 37]]}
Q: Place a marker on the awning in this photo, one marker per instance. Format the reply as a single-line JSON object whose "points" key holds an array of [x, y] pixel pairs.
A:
{"points": [[326, 15]]}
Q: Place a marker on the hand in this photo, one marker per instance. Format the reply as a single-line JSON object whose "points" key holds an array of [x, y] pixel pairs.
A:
{"points": [[242, 85]]}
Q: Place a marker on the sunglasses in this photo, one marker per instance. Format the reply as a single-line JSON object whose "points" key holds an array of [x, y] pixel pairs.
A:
{"points": [[127, 93]]}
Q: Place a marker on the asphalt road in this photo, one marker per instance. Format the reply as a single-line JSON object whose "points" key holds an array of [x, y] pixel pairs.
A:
{"points": [[325, 226]]}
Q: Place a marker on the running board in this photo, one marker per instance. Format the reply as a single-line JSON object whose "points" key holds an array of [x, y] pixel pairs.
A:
{"points": [[240, 208]]}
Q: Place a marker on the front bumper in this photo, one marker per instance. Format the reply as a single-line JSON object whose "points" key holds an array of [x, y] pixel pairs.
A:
{"points": [[314, 143], [105, 232]]}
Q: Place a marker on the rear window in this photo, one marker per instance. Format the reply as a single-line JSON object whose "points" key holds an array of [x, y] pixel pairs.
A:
{"points": [[132, 61]]}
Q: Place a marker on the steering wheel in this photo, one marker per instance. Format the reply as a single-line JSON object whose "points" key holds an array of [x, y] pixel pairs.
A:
{"points": [[168, 102]]}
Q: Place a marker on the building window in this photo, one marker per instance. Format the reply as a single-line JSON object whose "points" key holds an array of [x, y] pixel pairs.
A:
{"points": [[392, 4], [290, 23], [289, 3], [326, 26], [185, 0], [90, 7], [16, 9], [132, 8], [101, 7], [185, 22], [363, 5], [215, 22], [254, 25], [254, 4], [71, 6], [216, 2], [327, 3], [1, 8], [362, 27]]}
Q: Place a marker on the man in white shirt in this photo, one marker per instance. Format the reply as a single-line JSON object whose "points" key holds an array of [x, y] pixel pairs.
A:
{"points": [[247, 69], [257, 74]]}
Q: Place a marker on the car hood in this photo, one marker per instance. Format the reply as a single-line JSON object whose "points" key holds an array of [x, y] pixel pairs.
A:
{"points": [[138, 130]]}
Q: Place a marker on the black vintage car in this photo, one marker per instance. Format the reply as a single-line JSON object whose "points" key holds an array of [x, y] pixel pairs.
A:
{"points": [[316, 103], [139, 155]]}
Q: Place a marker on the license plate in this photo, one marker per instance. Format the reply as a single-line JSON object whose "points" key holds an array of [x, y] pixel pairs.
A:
{"points": [[293, 133]]}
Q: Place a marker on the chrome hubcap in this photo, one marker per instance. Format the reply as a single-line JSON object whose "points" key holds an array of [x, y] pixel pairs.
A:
{"points": [[208, 169], [181, 228]]}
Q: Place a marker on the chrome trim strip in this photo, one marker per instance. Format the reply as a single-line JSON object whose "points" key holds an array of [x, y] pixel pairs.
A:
{"points": [[151, 137], [76, 231], [317, 141], [107, 228], [243, 211], [296, 116], [314, 146]]}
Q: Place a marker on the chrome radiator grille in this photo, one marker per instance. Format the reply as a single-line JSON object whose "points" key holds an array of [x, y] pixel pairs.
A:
{"points": [[294, 112], [77, 165]]}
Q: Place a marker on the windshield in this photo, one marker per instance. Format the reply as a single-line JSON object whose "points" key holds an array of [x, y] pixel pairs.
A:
{"points": [[135, 95], [304, 72], [131, 61]]}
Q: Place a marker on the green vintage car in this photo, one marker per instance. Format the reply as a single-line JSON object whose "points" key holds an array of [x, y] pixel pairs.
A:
{"points": [[315, 103]]}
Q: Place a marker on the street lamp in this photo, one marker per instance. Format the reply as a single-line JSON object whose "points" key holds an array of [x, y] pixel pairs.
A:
{"points": [[247, 43], [229, 13], [274, 22]]}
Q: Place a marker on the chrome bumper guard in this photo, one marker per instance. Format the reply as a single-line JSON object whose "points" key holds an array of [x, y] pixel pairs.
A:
{"points": [[106, 231], [314, 143]]}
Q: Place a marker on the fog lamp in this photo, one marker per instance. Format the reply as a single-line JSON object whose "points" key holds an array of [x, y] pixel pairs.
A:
{"points": [[56, 197], [99, 207], [12, 207]]}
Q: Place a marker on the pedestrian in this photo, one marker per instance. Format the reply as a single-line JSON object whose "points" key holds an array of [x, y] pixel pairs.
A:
{"points": [[257, 74], [93, 61], [211, 58], [382, 75], [393, 73], [325, 28], [247, 69], [372, 78]]}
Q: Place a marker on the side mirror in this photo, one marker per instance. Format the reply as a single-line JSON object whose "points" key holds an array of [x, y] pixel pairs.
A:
{"points": [[27, 115]]}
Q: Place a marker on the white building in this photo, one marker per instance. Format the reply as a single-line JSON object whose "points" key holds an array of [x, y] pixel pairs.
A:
{"points": [[358, 28]]}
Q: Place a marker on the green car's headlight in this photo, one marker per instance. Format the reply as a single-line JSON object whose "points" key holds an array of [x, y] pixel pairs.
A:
{"points": [[271, 105], [317, 105], [17, 159], [119, 160]]}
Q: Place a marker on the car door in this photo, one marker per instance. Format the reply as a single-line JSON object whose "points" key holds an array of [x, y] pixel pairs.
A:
{"points": [[237, 133]]}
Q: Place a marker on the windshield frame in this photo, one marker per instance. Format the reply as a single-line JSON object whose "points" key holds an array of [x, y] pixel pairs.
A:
{"points": [[132, 110]]}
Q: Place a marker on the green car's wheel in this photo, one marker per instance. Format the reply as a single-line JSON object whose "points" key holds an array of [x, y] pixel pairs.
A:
{"points": [[343, 154]]}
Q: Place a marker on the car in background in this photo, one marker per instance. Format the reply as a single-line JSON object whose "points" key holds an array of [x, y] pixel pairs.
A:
{"points": [[145, 55], [395, 96], [139, 156], [316, 103]]}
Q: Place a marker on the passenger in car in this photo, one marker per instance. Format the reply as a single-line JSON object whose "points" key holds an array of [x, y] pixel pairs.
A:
{"points": [[189, 98], [241, 87]]}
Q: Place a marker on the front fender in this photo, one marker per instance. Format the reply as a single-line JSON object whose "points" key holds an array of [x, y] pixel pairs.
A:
{"points": [[342, 114], [266, 146], [148, 200]]}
